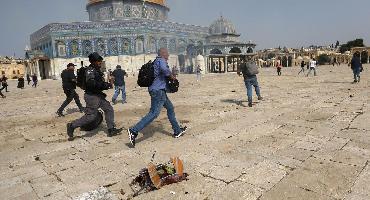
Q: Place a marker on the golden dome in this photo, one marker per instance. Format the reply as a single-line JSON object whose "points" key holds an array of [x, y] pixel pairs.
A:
{"points": [[159, 2]]}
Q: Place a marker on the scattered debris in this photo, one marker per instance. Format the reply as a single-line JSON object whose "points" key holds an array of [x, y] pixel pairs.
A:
{"points": [[156, 176], [351, 96], [172, 192], [100, 194]]}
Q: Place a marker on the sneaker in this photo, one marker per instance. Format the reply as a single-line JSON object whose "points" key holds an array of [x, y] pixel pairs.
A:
{"points": [[124, 102], [250, 104], [114, 132], [182, 132], [359, 78], [60, 114], [132, 136], [114, 102], [70, 131], [260, 98]]}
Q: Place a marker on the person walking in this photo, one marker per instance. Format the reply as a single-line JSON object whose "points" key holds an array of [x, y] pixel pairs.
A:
{"points": [[118, 79], [302, 67], [313, 64], [69, 82], [20, 82], [95, 99], [250, 78], [28, 79], [159, 99], [34, 80], [4, 83], [199, 73], [278, 67], [356, 67]]}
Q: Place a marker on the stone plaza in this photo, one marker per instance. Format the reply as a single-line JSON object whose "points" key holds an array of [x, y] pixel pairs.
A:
{"points": [[308, 139]]}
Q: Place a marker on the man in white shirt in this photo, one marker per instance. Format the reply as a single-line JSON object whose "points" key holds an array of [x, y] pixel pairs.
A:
{"points": [[313, 64]]}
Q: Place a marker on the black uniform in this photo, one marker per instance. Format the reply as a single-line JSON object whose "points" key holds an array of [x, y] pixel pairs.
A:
{"points": [[4, 83], [69, 87], [95, 99], [28, 79]]}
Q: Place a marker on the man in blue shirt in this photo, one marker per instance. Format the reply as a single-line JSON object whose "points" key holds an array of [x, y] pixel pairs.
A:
{"points": [[159, 99]]}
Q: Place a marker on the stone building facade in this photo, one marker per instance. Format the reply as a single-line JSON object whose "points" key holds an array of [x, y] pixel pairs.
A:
{"points": [[12, 68], [125, 32]]}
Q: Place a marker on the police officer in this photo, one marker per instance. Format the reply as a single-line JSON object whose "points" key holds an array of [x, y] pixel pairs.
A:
{"points": [[69, 87], [95, 98]]}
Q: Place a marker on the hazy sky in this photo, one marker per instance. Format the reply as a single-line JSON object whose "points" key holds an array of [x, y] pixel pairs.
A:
{"points": [[269, 23]]}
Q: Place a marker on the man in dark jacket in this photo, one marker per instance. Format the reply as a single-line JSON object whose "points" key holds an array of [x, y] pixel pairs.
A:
{"points": [[119, 84], [28, 79], [356, 67], [249, 80], [34, 80], [95, 98], [4, 83], [69, 87]]}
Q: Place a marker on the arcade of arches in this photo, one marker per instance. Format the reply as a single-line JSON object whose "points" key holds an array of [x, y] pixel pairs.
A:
{"points": [[218, 62], [364, 53]]}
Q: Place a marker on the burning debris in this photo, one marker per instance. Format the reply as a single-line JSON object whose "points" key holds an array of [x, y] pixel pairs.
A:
{"points": [[156, 176]]}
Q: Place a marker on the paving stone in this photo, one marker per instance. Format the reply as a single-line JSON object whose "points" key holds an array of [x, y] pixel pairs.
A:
{"points": [[46, 186], [264, 175], [324, 177], [287, 190]]}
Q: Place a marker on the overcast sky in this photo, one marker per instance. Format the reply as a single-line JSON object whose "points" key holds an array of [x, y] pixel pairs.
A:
{"points": [[269, 23]]}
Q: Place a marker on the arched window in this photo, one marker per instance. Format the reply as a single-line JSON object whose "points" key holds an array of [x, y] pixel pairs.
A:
{"points": [[172, 46], [216, 51], [163, 43], [113, 47], [235, 50], [126, 46], [87, 48], [100, 47], [139, 45], [74, 48]]}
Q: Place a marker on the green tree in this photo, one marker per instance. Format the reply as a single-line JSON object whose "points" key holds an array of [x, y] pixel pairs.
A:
{"points": [[323, 59], [351, 44], [271, 55]]}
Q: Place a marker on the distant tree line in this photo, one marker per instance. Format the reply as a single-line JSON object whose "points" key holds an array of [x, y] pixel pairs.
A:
{"points": [[349, 45]]}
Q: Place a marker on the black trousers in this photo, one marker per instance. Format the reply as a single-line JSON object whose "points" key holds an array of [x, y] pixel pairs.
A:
{"points": [[5, 86], [1, 94], [70, 95], [93, 103]]}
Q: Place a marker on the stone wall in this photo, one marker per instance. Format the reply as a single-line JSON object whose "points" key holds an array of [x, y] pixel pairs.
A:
{"points": [[131, 64], [12, 70]]}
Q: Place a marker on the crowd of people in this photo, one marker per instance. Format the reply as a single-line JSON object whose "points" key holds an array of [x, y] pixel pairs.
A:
{"points": [[94, 84]]}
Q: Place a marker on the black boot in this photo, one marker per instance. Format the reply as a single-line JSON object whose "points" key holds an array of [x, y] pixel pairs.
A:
{"points": [[114, 132], [70, 131], [60, 114]]}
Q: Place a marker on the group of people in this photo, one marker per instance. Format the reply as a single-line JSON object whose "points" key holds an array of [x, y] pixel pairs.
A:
{"points": [[95, 98], [4, 83]]}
